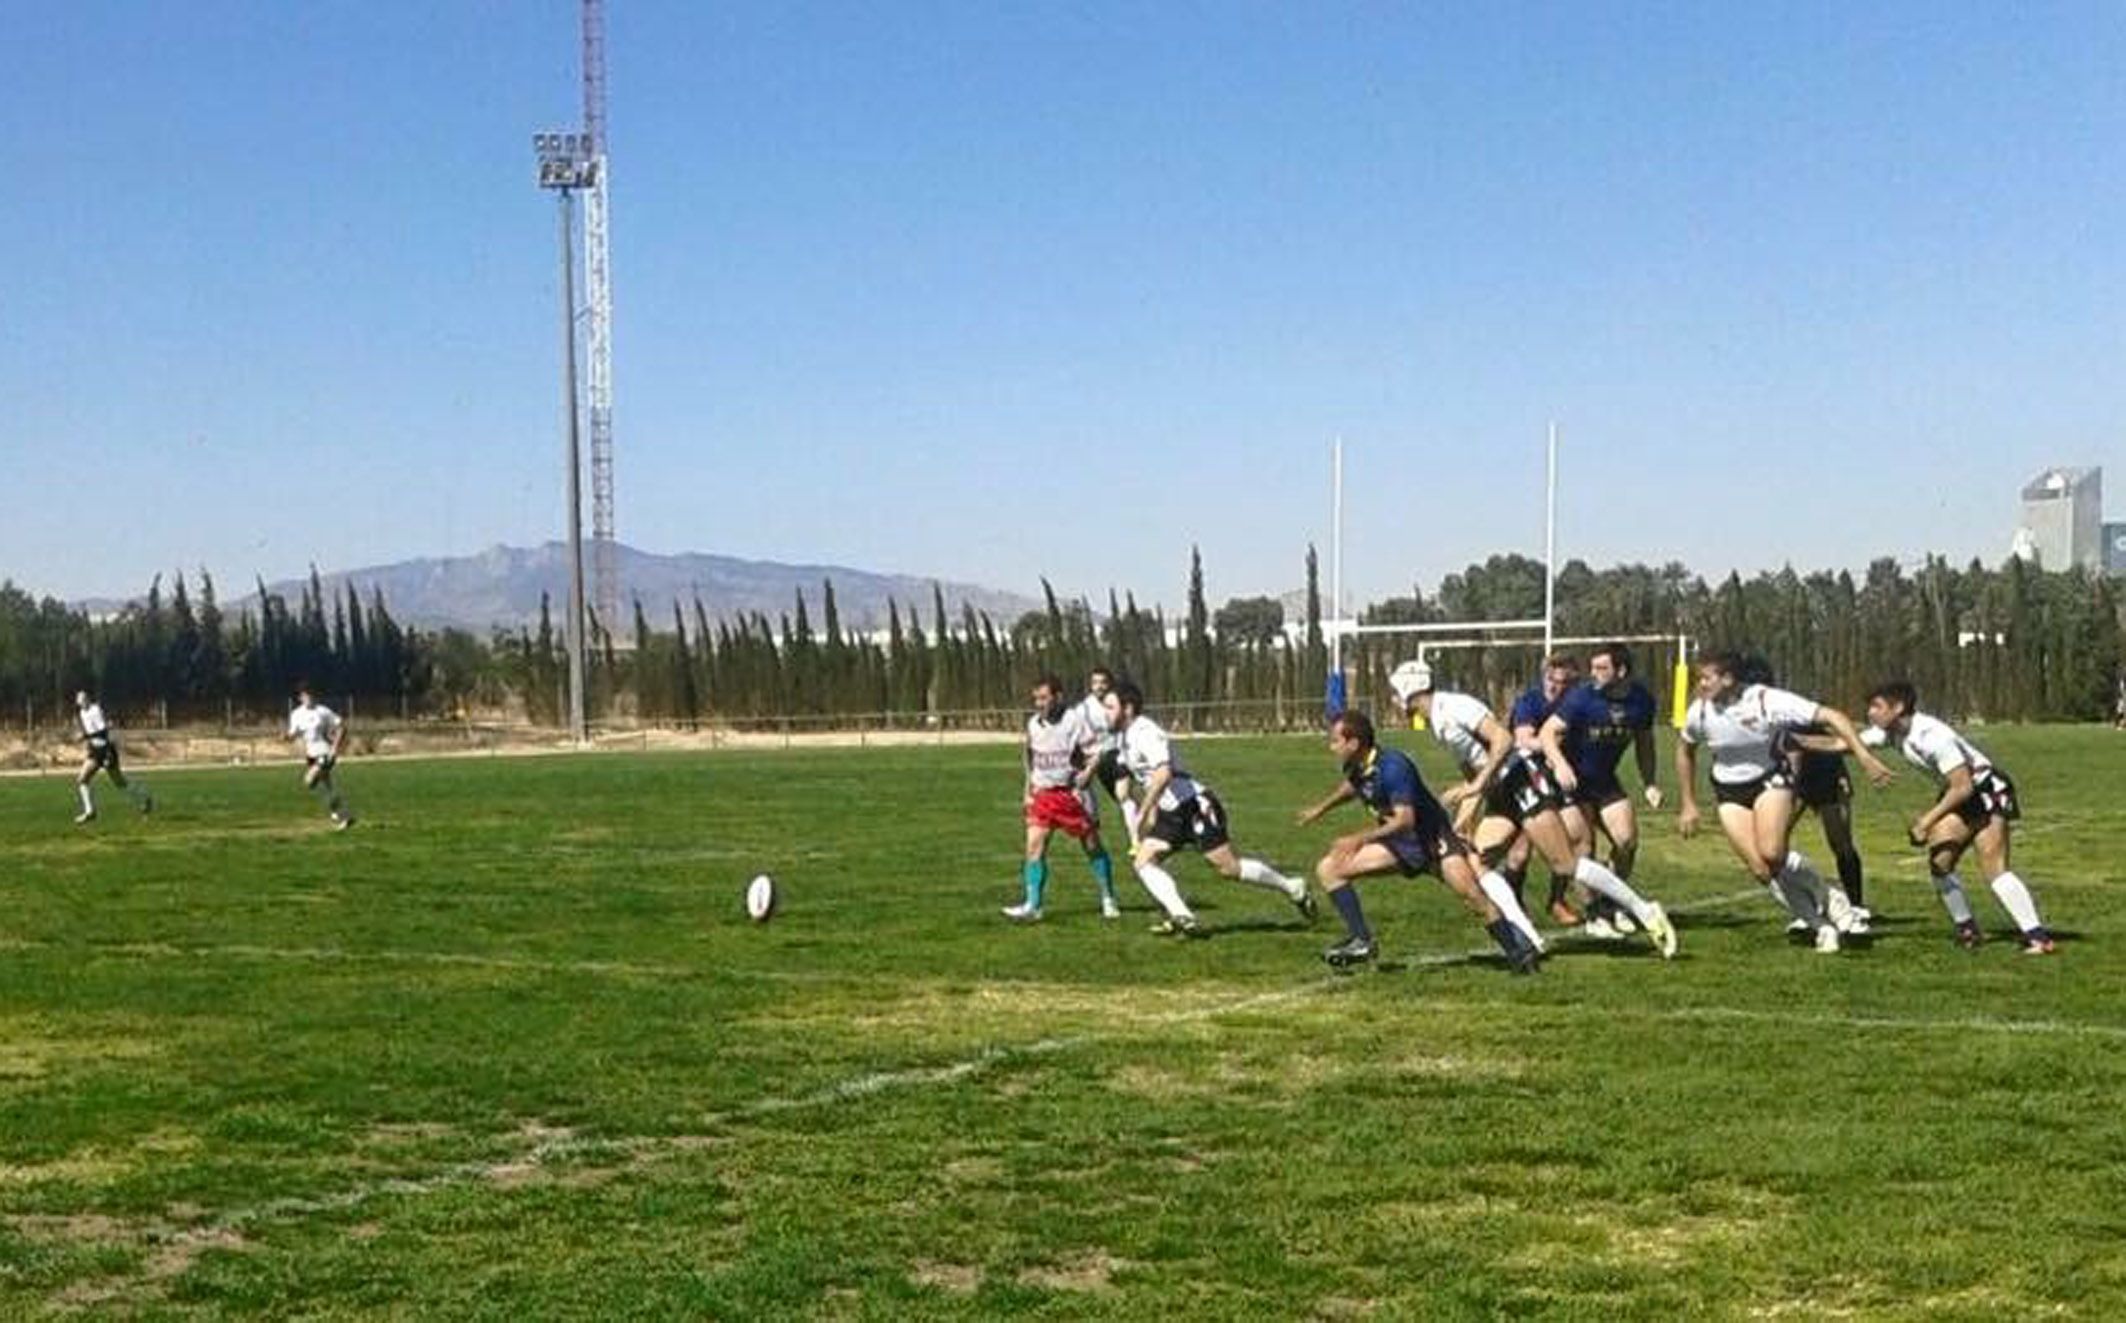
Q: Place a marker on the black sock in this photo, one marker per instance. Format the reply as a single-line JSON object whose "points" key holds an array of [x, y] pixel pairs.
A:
{"points": [[1354, 915], [1517, 878], [1849, 874], [1511, 940]]}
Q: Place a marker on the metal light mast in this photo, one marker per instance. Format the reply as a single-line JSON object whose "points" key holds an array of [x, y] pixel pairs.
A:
{"points": [[598, 330]]}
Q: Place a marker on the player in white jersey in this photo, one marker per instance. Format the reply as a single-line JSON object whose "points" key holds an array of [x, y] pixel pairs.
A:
{"points": [[1506, 792], [1107, 764], [1060, 745], [1742, 727], [1178, 811], [99, 753], [323, 735], [1976, 806]]}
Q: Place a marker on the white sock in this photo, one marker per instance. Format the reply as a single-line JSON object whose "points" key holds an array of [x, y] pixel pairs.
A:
{"points": [[88, 802], [2017, 900], [1500, 893], [1256, 873], [1805, 883], [1951, 888], [1602, 882], [1161, 884], [1792, 889]]}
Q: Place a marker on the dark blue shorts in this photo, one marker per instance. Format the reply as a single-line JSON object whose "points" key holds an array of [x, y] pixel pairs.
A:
{"points": [[1597, 788]]}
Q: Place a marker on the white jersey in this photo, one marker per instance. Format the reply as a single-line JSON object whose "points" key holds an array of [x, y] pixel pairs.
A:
{"points": [[1056, 749], [318, 725], [1741, 734], [93, 726], [1145, 749], [1457, 721], [1933, 745], [1095, 714]]}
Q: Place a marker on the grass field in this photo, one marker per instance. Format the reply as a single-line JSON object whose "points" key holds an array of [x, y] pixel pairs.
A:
{"points": [[511, 1049]]}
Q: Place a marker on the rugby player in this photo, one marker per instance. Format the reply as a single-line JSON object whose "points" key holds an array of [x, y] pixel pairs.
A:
{"points": [[1583, 741], [99, 753], [1060, 746], [1506, 791], [323, 735], [1178, 812], [1740, 726], [1976, 806], [1411, 834], [1107, 767], [1561, 672]]}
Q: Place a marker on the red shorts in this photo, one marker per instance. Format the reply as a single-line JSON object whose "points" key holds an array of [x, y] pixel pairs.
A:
{"points": [[1061, 810]]}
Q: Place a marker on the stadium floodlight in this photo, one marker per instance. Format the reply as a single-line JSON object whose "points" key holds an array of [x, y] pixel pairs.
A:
{"points": [[566, 163]]}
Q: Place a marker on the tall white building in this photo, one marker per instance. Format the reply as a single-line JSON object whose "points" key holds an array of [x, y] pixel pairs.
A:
{"points": [[2063, 519]]}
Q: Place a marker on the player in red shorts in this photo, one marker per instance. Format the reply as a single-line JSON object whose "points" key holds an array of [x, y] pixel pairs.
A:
{"points": [[1060, 748]]}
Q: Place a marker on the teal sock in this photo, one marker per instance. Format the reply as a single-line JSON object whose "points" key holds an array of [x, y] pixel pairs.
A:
{"points": [[1036, 880], [1103, 866]]}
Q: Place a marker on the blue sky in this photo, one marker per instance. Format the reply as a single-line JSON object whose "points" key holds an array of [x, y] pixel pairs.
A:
{"points": [[990, 291]]}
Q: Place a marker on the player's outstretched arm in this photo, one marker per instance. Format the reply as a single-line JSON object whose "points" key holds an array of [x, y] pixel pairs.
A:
{"points": [[1642, 748], [1878, 771], [1552, 739], [1342, 794]]}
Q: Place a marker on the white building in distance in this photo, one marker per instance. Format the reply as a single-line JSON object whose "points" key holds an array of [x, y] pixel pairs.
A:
{"points": [[2063, 520]]}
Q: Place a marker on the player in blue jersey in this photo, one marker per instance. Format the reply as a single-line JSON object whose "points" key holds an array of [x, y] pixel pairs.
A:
{"points": [[1561, 672], [1411, 834], [1584, 740]]}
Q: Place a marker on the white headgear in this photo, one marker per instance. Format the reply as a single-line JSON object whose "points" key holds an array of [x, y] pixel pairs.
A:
{"points": [[1410, 679]]}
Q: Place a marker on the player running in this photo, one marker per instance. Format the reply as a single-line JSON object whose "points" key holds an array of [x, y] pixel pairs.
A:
{"points": [[99, 753], [1506, 791], [1976, 806], [1107, 766], [1060, 745], [1411, 834], [323, 735], [1741, 726], [1177, 812], [1583, 742]]}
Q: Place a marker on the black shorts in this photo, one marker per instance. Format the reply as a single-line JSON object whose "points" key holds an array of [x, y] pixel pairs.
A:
{"points": [[1745, 792], [1524, 789], [1110, 771], [1992, 797], [1820, 780], [1598, 790], [324, 763], [104, 754], [1199, 822]]}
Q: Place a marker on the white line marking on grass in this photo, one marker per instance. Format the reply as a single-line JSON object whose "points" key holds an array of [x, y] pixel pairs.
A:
{"points": [[1961, 1024]]}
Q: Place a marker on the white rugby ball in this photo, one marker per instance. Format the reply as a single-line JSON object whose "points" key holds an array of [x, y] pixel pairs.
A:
{"points": [[760, 898]]}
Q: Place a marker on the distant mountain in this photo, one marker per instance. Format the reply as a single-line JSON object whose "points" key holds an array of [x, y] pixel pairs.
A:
{"points": [[501, 587]]}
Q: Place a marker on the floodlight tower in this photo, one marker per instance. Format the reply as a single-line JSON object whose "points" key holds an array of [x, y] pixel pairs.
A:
{"points": [[598, 320], [565, 166]]}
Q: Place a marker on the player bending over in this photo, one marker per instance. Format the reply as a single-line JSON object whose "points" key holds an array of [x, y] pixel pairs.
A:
{"points": [[99, 753], [1059, 750], [323, 735], [1506, 792], [1741, 726], [1561, 673], [1976, 805], [1177, 812], [1411, 834]]}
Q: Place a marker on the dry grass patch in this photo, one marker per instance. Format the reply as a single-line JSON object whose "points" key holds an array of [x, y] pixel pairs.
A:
{"points": [[1093, 1272], [953, 1278]]}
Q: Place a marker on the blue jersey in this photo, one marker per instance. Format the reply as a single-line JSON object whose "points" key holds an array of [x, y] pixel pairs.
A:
{"points": [[1599, 728], [1385, 779], [1530, 709]]}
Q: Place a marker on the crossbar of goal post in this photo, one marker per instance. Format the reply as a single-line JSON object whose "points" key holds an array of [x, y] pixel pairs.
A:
{"points": [[1453, 635]]}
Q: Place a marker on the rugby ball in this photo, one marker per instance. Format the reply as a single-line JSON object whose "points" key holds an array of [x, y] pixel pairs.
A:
{"points": [[760, 899]]}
